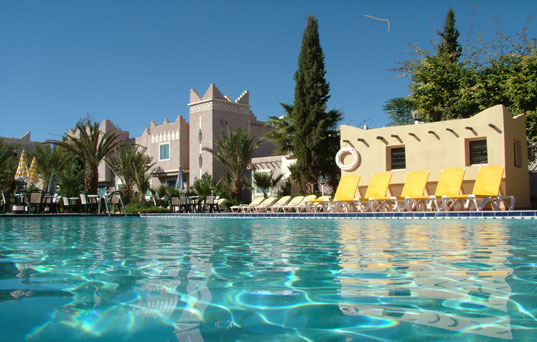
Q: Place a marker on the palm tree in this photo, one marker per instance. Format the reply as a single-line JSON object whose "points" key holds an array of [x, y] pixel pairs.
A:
{"points": [[265, 182], [92, 146], [132, 167], [283, 131], [234, 151], [203, 186], [121, 164], [50, 159], [71, 178], [141, 167]]}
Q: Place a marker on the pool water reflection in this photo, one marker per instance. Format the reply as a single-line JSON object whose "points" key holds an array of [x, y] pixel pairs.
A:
{"points": [[181, 279]]}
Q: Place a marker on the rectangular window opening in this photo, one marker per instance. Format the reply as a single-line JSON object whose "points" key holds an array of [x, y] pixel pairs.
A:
{"points": [[164, 152], [517, 153], [477, 150], [397, 158]]}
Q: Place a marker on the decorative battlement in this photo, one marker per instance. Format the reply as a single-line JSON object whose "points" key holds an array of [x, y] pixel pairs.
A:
{"points": [[26, 137], [214, 99], [168, 131], [244, 98], [213, 93]]}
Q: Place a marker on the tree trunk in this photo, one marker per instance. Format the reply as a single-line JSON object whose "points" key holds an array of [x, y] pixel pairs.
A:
{"points": [[91, 179], [311, 187], [236, 188]]}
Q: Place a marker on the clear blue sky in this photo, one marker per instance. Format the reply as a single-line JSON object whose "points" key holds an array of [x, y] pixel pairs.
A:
{"points": [[135, 61]]}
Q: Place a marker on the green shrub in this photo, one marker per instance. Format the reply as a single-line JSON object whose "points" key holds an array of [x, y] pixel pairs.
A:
{"points": [[145, 207]]}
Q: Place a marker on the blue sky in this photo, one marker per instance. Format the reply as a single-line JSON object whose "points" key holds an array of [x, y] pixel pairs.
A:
{"points": [[135, 61]]}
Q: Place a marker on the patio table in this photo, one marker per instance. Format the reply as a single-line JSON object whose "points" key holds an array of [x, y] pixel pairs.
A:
{"points": [[195, 203]]}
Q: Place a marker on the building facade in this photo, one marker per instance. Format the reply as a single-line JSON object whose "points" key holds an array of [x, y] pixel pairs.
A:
{"points": [[210, 116], [491, 137], [181, 143], [167, 145]]}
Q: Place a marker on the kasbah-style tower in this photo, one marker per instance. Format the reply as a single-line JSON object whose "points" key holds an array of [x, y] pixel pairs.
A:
{"points": [[210, 116]]}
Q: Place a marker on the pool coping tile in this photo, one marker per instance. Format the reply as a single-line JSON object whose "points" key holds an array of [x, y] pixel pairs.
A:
{"points": [[518, 214]]}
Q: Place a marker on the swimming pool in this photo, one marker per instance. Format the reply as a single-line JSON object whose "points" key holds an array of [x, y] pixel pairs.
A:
{"points": [[205, 279]]}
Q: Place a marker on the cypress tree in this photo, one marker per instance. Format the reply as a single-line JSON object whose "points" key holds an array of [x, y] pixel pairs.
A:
{"points": [[316, 139], [449, 47]]}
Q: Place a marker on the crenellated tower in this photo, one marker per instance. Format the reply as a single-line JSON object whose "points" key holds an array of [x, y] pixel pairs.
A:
{"points": [[210, 115]]}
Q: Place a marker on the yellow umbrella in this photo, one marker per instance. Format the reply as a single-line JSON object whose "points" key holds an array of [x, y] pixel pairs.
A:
{"points": [[33, 177], [22, 169]]}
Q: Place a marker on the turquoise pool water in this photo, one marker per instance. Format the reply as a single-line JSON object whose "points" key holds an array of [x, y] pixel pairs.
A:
{"points": [[181, 279]]}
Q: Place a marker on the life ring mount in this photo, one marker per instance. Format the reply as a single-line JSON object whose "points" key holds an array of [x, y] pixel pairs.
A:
{"points": [[341, 154]]}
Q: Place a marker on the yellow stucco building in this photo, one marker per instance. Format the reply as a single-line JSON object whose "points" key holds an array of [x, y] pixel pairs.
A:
{"points": [[491, 137]]}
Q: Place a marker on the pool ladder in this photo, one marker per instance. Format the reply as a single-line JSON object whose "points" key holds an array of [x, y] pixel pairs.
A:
{"points": [[113, 199]]}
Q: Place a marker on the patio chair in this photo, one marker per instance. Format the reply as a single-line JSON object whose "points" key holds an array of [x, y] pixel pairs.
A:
{"points": [[35, 202], [375, 195], [180, 204], [449, 185], [68, 205], [114, 201], [414, 187], [50, 204], [278, 205], [86, 204], [291, 204], [343, 198], [220, 204], [486, 190], [238, 208], [262, 207], [209, 203]]}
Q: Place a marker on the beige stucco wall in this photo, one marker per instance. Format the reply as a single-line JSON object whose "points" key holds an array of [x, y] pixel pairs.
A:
{"points": [[176, 134], [213, 113], [439, 145], [106, 176]]}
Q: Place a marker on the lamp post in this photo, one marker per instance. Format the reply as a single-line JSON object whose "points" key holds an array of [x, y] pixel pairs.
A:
{"points": [[322, 180], [417, 117]]}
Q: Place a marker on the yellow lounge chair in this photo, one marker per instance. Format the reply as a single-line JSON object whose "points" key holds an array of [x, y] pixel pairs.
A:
{"points": [[237, 208], [375, 195], [316, 205], [412, 190], [486, 190], [449, 184], [262, 207], [276, 206], [294, 201], [343, 198], [301, 206]]}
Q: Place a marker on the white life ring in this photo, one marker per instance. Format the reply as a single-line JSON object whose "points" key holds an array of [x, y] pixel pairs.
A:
{"points": [[355, 159]]}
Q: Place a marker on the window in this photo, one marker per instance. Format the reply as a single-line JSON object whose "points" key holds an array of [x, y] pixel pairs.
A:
{"points": [[397, 158], [201, 160], [517, 153], [477, 150], [200, 135], [164, 150]]}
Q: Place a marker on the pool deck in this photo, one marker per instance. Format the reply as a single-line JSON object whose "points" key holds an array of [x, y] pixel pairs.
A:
{"points": [[514, 214]]}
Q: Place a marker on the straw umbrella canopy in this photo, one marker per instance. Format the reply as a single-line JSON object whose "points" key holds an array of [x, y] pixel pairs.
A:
{"points": [[33, 176], [22, 169]]}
